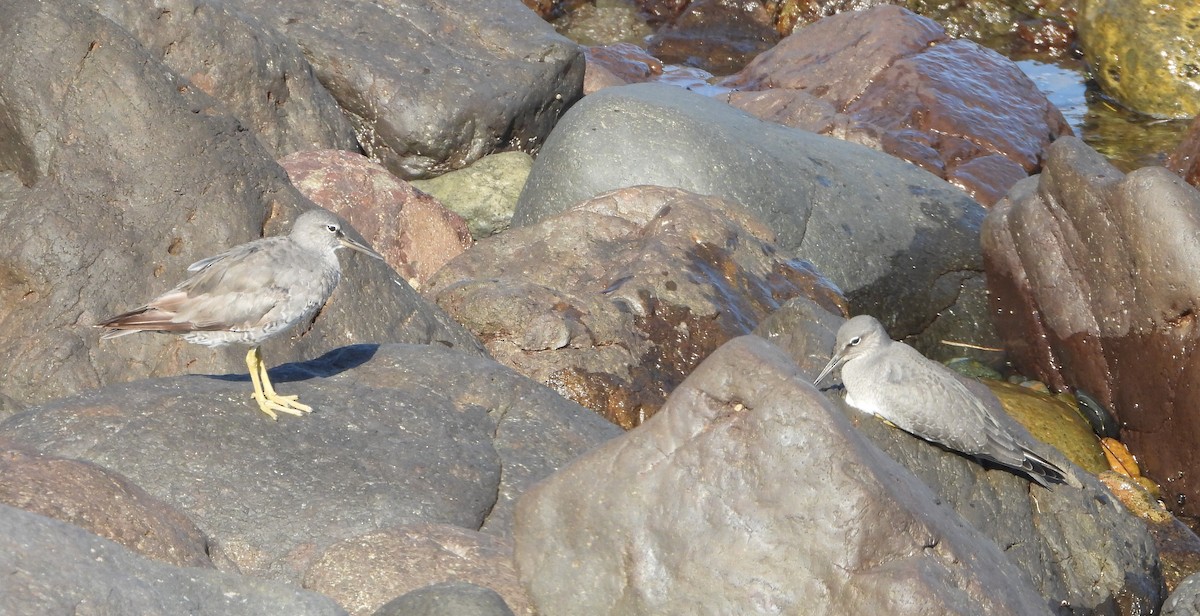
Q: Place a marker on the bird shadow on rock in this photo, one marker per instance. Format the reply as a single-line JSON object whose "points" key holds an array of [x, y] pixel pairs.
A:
{"points": [[331, 363]]}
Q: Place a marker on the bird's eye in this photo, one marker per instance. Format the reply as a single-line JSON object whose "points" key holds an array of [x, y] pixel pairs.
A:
{"points": [[855, 340], [331, 228]]}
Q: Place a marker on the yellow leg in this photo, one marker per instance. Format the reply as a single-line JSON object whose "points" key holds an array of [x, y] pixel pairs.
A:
{"points": [[264, 393]]}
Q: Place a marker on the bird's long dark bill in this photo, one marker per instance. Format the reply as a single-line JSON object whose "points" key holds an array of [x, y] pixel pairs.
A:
{"points": [[353, 245], [834, 362]]}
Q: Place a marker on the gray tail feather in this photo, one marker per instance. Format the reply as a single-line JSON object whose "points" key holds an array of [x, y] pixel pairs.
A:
{"points": [[1043, 471]]}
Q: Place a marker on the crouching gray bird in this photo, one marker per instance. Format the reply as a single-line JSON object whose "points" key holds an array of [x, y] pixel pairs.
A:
{"points": [[249, 294], [894, 382]]}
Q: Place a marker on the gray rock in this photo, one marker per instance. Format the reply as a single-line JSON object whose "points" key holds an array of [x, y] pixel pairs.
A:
{"points": [[127, 176], [485, 193], [401, 434], [751, 493], [1185, 600], [259, 76], [447, 599], [900, 243], [55, 568], [433, 86]]}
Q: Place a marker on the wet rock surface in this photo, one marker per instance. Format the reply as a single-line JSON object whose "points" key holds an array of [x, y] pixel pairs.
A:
{"points": [[952, 107], [1092, 274]]}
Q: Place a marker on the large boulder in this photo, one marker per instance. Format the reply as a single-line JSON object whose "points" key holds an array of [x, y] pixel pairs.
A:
{"points": [[401, 434], [901, 243], [751, 492], [433, 86], [1095, 280]]}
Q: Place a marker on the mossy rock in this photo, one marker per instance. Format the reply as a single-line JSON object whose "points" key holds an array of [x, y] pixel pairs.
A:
{"points": [[1053, 420], [1145, 54]]}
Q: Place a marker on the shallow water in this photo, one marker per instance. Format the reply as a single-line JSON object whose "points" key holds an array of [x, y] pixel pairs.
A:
{"points": [[1129, 140]]}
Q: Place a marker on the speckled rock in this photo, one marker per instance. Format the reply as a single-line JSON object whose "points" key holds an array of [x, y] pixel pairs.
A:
{"points": [[364, 572], [55, 568], [401, 434], [701, 510]]}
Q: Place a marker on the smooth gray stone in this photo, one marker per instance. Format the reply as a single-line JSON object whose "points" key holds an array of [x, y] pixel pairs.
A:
{"points": [[900, 242]]}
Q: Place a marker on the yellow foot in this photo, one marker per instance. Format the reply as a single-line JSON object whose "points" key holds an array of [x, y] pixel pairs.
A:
{"points": [[264, 394], [283, 404]]}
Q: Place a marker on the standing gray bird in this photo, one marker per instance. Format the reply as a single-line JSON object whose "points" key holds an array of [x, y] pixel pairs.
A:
{"points": [[894, 382], [249, 294]]}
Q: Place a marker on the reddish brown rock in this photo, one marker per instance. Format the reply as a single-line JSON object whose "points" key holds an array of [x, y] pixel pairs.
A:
{"points": [[715, 35], [413, 231], [1185, 160], [366, 572], [618, 64], [896, 82], [1095, 284], [614, 301], [102, 502]]}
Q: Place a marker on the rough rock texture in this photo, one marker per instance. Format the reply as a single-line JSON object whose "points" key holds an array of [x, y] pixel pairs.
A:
{"points": [[259, 76], [1094, 278], [55, 568], [900, 243], [613, 302], [1144, 53], [401, 434], [364, 572], [894, 81], [415, 234], [447, 599], [112, 209], [433, 86], [102, 502], [484, 193], [751, 493], [1185, 601]]}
